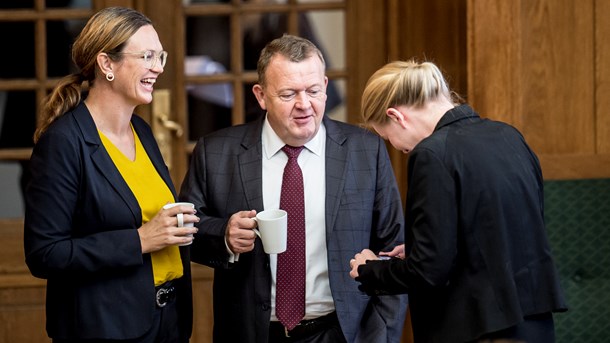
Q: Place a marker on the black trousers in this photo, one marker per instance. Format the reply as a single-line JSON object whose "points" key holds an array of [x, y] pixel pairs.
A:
{"points": [[538, 328], [321, 330]]}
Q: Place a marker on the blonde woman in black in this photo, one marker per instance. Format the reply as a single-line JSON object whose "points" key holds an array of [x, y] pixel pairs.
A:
{"points": [[478, 266]]}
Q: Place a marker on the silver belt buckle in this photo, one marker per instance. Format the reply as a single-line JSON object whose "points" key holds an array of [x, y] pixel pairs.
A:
{"points": [[160, 293], [286, 332]]}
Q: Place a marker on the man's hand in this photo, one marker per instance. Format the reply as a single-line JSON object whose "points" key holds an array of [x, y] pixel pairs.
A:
{"points": [[239, 235]]}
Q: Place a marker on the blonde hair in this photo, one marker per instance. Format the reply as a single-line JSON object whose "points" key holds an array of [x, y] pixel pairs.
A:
{"points": [[400, 83], [106, 31]]}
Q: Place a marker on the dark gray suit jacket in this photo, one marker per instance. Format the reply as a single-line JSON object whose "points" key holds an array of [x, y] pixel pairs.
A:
{"points": [[363, 210]]}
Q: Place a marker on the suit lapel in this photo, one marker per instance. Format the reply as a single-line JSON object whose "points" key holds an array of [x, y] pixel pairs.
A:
{"points": [[251, 165], [103, 162], [336, 168]]}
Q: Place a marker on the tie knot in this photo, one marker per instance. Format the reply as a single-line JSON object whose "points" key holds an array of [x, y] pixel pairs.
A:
{"points": [[292, 151]]}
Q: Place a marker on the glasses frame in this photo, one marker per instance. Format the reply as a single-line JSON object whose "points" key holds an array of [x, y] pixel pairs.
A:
{"points": [[161, 56]]}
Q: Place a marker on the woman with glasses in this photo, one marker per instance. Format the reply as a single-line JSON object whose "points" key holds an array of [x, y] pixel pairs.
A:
{"points": [[115, 261]]}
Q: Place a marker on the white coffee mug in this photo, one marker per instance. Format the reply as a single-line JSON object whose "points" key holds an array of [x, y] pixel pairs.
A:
{"points": [[273, 230], [180, 216]]}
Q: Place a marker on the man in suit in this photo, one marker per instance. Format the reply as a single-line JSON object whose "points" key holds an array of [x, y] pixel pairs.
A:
{"points": [[351, 202]]}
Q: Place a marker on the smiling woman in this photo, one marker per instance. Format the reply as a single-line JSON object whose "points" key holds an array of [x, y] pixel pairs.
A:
{"points": [[94, 220]]}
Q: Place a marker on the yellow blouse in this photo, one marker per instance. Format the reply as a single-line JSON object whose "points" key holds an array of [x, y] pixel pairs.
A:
{"points": [[152, 193]]}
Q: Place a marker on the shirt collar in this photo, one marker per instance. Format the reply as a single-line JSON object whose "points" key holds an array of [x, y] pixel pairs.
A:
{"points": [[272, 143]]}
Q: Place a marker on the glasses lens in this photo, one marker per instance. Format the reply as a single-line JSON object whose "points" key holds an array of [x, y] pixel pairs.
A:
{"points": [[149, 57], [163, 58]]}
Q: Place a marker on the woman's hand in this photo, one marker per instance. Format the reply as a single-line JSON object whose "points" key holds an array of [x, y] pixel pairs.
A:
{"points": [[359, 259], [162, 230], [398, 251]]}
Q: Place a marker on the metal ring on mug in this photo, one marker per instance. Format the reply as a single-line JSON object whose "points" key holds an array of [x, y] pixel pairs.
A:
{"points": [[180, 217]]}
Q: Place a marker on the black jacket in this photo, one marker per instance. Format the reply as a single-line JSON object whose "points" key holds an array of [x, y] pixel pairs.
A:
{"points": [[81, 235], [478, 258]]}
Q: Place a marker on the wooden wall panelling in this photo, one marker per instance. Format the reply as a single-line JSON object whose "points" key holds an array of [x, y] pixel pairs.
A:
{"points": [[602, 75], [22, 297], [366, 46], [493, 58], [22, 311], [575, 166], [434, 30], [538, 65], [203, 315], [557, 68], [99, 4]]}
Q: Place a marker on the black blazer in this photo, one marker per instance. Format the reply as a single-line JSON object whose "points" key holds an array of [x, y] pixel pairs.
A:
{"points": [[478, 256], [363, 210], [81, 223]]}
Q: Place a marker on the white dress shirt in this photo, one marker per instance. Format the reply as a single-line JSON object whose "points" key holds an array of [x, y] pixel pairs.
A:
{"points": [[318, 298]]}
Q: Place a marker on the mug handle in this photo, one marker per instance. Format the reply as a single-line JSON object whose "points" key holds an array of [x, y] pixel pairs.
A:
{"points": [[258, 233]]}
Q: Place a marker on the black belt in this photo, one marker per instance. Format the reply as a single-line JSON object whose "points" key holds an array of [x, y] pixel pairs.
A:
{"points": [[165, 293], [306, 327]]}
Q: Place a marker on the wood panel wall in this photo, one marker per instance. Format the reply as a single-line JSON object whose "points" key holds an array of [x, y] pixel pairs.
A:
{"points": [[542, 65], [22, 297]]}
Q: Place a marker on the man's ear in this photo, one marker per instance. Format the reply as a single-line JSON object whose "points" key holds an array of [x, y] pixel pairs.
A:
{"points": [[396, 116], [259, 93]]}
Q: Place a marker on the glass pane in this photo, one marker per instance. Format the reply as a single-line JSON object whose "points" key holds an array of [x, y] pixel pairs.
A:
{"points": [[16, 4], [186, 2], [12, 185], [58, 3], [251, 107], [208, 37], [81, 4], [19, 61], [59, 40], [326, 29], [321, 1], [17, 118], [209, 108], [335, 104], [258, 30]]}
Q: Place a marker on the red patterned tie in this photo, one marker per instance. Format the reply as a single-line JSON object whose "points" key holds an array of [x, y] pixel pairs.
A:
{"points": [[290, 285]]}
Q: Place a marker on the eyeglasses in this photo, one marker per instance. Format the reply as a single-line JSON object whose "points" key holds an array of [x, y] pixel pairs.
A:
{"points": [[150, 57]]}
